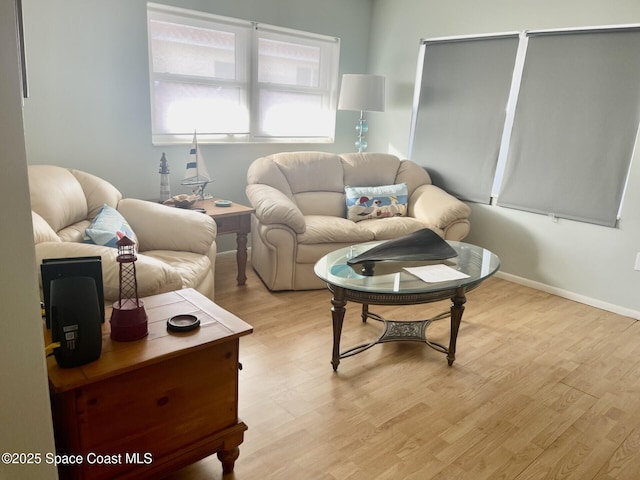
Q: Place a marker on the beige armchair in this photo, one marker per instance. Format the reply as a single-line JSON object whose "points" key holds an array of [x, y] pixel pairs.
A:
{"points": [[301, 211], [176, 247]]}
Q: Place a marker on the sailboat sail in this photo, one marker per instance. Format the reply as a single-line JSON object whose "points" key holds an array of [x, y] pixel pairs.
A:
{"points": [[196, 173]]}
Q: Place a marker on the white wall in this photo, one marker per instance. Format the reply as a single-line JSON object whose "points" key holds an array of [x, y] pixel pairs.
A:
{"points": [[24, 399], [89, 102], [89, 82], [590, 263]]}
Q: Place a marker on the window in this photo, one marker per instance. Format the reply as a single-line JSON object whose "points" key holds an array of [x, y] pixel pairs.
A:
{"points": [[237, 81], [460, 110], [563, 108], [575, 124]]}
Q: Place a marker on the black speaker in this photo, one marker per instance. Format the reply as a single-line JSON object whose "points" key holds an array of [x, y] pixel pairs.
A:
{"points": [[75, 320], [54, 268]]}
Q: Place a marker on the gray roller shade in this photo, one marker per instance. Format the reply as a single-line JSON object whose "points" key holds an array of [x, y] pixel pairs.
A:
{"points": [[459, 111], [575, 124]]}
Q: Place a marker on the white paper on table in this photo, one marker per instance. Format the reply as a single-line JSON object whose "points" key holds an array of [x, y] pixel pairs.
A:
{"points": [[436, 273]]}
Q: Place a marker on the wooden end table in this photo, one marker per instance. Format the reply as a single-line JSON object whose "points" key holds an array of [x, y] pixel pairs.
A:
{"points": [[154, 405], [233, 219]]}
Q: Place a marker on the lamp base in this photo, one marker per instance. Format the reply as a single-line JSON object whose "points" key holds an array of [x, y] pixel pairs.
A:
{"points": [[361, 144], [362, 128]]}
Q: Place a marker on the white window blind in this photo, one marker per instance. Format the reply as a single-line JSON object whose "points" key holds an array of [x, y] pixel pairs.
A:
{"points": [[575, 124], [233, 80], [462, 90], [295, 85]]}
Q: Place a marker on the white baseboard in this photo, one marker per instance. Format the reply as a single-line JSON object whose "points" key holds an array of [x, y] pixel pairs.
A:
{"points": [[627, 312]]}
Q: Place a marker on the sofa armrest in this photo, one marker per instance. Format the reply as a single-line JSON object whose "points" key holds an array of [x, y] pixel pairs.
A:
{"points": [[42, 231], [160, 227], [153, 276], [274, 207], [436, 206]]}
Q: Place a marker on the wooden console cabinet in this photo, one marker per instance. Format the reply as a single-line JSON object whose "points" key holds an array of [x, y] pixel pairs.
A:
{"points": [[153, 405]]}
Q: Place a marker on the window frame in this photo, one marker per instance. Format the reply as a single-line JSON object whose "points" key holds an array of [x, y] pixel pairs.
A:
{"points": [[248, 34], [327, 87]]}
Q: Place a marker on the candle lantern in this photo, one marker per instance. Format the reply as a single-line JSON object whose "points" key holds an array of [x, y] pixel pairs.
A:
{"points": [[129, 318]]}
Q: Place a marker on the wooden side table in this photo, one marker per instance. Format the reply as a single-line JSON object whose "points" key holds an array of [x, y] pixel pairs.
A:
{"points": [[153, 405], [233, 219]]}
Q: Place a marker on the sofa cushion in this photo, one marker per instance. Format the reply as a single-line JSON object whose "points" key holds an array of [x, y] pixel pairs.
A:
{"points": [[362, 169], [97, 191], [193, 268], [328, 229], [57, 196], [108, 227], [310, 254], [321, 203], [376, 202], [74, 232], [153, 275], [390, 228], [311, 171]]}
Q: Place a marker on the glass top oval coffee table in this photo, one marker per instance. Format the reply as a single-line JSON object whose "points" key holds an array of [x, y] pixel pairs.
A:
{"points": [[391, 284]]}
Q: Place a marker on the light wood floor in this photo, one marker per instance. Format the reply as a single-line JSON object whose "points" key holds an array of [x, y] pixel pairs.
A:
{"points": [[542, 388]]}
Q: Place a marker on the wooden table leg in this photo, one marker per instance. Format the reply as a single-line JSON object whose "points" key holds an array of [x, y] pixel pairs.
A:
{"points": [[337, 315], [457, 308], [228, 459], [241, 257], [230, 451]]}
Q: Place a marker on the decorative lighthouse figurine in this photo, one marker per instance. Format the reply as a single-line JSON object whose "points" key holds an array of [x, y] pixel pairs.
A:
{"points": [[129, 318], [165, 190]]}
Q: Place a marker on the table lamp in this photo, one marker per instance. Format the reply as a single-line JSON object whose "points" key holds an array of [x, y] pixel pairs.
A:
{"points": [[363, 93]]}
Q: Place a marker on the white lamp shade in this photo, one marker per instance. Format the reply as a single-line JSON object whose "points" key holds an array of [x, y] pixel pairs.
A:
{"points": [[362, 93]]}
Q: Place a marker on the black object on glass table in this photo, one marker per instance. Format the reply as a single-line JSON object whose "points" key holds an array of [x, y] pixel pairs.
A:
{"points": [[423, 245]]}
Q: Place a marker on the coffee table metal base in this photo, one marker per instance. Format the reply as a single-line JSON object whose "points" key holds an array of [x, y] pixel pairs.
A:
{"points": [[396, 330], [399, 331]]}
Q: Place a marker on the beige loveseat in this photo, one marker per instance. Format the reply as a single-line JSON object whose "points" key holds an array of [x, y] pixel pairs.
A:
{"points": [[176, 248], [299, 198]]}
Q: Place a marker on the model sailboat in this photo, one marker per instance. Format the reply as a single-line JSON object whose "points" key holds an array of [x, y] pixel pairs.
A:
{"points": [[196, 175]]}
